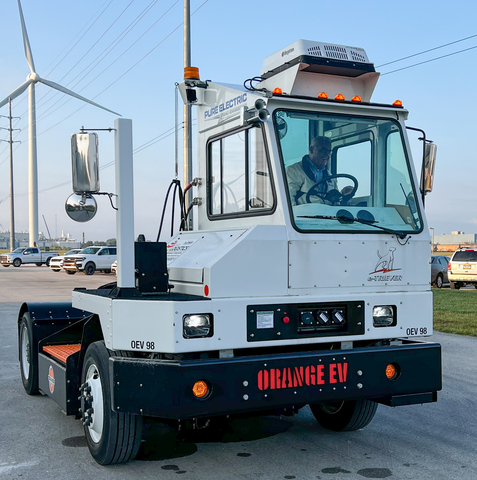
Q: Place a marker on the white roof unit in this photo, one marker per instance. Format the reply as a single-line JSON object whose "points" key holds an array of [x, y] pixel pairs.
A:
{"points": [[307, 68]]}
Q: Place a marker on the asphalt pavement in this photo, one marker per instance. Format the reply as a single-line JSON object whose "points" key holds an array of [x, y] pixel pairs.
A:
{"points": [[421, 442]]}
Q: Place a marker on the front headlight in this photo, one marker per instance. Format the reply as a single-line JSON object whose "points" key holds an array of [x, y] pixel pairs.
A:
{"points": [[197, 326], [384, 316]]}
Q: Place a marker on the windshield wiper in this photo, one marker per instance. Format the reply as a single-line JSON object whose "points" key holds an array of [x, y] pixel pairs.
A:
{"points": [[363, 216]]}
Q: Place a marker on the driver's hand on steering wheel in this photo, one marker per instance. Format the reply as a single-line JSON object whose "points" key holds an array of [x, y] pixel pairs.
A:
{"points": [[347, 190]]}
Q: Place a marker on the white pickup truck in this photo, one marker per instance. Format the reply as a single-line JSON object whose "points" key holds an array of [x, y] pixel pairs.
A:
{"points": [[89, 260], [21, 256]]}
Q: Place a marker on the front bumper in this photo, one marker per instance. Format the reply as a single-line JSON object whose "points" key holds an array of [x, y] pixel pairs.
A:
{"points": [[163, 388]]}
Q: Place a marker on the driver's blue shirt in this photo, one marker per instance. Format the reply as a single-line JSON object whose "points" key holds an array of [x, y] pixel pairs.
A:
{"points": [[318, 173]]}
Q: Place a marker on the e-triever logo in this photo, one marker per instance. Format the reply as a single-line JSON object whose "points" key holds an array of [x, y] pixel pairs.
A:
{"points": [[287, 52], [51, 379], [384, 265], [297, 377]]}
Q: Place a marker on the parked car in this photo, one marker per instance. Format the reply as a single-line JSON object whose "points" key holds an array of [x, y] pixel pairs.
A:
{"points": [[21, 256], [89, 260], [462, 268], [114, 267], [56, 263], [439, 265]]}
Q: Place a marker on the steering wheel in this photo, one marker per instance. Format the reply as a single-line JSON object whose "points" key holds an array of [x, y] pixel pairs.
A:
{"points": [[334, 196]]}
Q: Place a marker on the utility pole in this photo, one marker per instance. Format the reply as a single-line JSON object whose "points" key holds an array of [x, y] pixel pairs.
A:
{"points": [[12, 203]]}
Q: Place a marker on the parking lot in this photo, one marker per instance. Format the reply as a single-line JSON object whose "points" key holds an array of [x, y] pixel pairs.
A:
{"points": [[421, 442]]}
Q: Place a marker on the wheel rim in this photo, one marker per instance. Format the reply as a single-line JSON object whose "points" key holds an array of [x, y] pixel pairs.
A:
{"points": [[94, 402], [439, 282], [331, 408], [25, 343]]}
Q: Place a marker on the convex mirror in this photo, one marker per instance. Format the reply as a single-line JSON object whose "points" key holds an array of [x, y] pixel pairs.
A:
{"points": [[81, 208]]}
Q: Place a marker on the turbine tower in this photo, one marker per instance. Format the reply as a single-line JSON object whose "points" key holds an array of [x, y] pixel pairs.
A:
{"points": [[30, 82]]}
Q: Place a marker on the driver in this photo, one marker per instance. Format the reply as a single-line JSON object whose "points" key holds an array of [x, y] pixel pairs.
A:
{"points": [[312, 169]]}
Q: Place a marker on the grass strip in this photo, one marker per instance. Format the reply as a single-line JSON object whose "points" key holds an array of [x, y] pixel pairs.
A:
{"points": [[455, 311]]}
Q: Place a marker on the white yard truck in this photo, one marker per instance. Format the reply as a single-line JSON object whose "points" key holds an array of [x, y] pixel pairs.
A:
{"points": [[299, 285], [28, 255]]}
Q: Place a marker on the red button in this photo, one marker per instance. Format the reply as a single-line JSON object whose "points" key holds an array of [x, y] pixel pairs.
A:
{"points": [[286, 320]]}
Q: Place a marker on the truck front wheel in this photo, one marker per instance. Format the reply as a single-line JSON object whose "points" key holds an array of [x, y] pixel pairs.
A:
{"points": [[28, 356], [70, 272], [89, 268], [344, 416], [17, 262], [112, 437]]}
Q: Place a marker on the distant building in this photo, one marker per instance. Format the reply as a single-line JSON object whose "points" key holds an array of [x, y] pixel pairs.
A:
{"points": [[22, 238], [457, 239]]}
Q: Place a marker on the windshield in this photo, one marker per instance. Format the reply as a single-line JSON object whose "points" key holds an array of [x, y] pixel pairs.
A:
{"points": [[18, 250], [346, 173], [90, 250]]}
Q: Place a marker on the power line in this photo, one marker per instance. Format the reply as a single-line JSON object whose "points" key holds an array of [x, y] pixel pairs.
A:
{"points": [[431, 60], [426, 51]]}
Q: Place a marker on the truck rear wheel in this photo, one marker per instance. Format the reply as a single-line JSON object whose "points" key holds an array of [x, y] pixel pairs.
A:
{"points": [[70, 272], [344, 416], [455, 285], [17, 262], [112, 437], [28, 356], [89, 268]]}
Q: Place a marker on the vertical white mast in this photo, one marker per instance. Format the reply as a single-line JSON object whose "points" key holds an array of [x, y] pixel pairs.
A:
{"points": [[187, 113]]}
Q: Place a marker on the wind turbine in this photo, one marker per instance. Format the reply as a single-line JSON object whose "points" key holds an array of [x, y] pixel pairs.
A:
{"points": [[30, 82]]}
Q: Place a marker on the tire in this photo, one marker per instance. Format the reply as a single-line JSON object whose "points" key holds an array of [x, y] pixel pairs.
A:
{"points": [[38, 264], [6, 266], [111, 437], [55, 269], [89, 268], [439, 281], [28, 356], [17, 262], [48, 260], [344, 416], [455, 285], [70, 272]]}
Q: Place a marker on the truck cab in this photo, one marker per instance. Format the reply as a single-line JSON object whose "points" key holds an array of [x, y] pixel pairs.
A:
{"points": [[304, 280]]}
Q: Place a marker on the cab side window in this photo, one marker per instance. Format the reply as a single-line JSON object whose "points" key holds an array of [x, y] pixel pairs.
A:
{"points": [[239, 181]]}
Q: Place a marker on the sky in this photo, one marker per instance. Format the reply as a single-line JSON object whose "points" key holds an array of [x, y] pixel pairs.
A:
{"points": [[127, 55]]}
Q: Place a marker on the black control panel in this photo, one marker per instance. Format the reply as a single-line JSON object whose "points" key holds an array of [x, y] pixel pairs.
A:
{"points": [[290, 321]]}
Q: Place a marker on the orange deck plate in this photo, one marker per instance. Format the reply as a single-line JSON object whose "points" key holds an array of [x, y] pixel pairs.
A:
{"points": [[62, 352]]}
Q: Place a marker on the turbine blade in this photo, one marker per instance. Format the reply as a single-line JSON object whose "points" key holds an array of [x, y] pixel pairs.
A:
{"points": [[16, 92], [73, 94], [26, 42]]}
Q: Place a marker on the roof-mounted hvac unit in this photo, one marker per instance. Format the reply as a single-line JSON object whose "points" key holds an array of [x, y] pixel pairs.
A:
{"points": [[349, 66]]}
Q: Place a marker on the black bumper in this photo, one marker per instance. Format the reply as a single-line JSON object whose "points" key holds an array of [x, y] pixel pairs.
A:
{"points": [[163, 388]]}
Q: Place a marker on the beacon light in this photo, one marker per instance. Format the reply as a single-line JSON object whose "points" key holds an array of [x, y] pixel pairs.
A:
{"points": [[191, 73], [340, 96], [356, 98], [277, 91], [397, 103], [323, 95]]}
